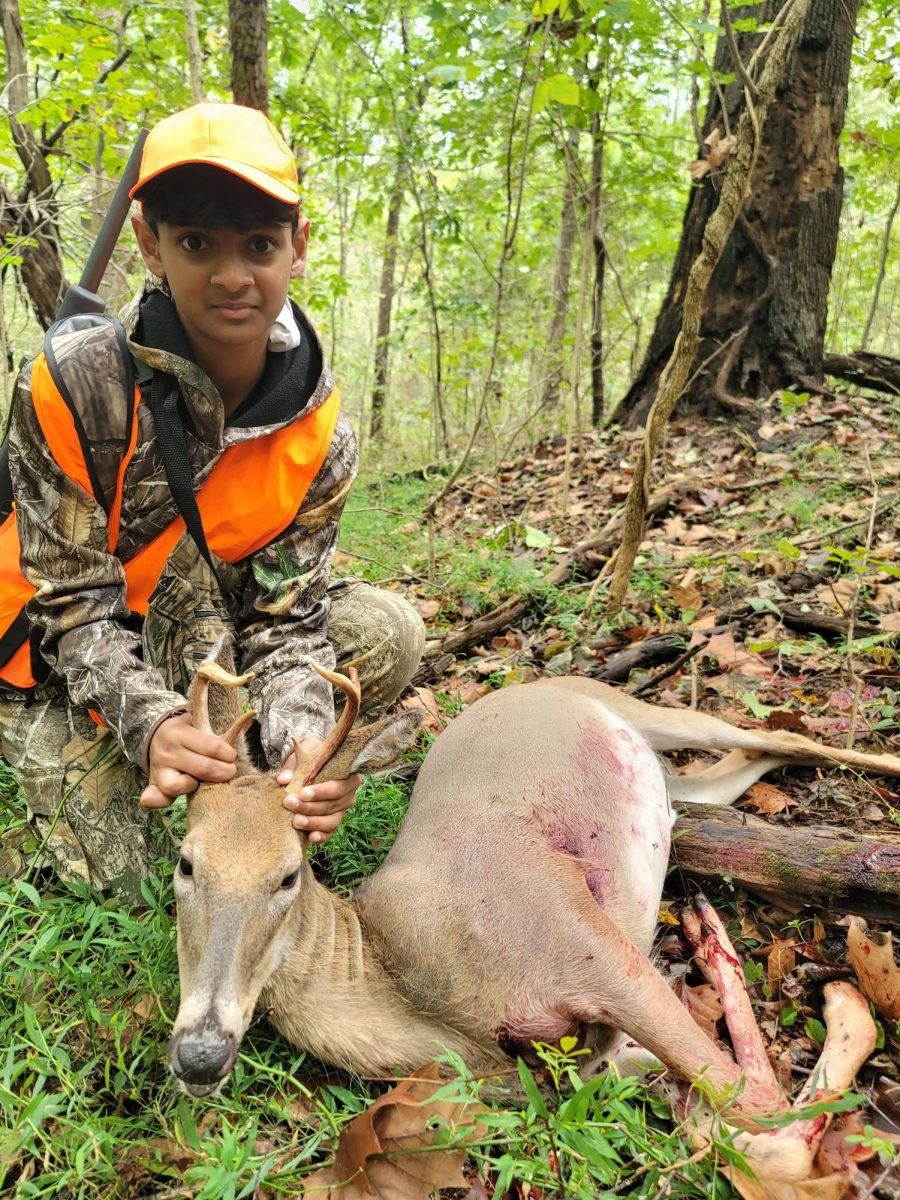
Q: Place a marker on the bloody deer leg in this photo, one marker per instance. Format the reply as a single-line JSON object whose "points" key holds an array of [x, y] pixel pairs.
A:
{"points": [[717, 959]]}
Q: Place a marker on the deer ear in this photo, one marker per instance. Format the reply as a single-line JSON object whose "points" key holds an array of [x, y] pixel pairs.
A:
{"points": [[387, 741]]}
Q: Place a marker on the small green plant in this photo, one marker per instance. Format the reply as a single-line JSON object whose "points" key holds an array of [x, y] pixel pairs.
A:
{"points": [[573, 1139], [791, 402], [815, 1031], [789, 1014], [870, 1139]]}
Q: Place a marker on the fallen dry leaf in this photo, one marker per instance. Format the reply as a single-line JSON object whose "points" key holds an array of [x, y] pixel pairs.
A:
{"points": [[686, 592], [836, 1153], [765, 798], [171, 1153], [781, 959], [786, 720], [388, 1152], [423, 698], [146, 1007], [732, 658], [467, 691], [873, 962], [703, 1003]]}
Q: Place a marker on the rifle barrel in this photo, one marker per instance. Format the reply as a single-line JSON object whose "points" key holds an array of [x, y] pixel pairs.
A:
{"points": [[103, 247]]}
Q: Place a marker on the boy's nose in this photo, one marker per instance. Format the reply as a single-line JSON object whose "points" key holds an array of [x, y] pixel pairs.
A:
{"points": [[231, 274]]}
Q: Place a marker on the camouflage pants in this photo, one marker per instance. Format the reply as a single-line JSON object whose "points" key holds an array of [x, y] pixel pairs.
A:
{"points": [[80, 789]]}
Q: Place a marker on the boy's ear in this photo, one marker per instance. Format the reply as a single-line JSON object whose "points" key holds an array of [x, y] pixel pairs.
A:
{"points": [[301, 238], [148, 244]]}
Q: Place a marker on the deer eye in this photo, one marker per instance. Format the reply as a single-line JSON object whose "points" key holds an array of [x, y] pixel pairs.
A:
{"points": [[185, 866], [290, 880]]}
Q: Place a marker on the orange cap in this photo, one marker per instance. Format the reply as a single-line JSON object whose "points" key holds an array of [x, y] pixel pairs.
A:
{"points": [[237, 139]]}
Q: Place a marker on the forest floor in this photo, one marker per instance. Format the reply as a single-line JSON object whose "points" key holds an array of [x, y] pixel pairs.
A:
{"points": [[767, 591]]}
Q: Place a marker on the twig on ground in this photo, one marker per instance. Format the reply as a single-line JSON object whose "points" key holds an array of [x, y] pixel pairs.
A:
{"points": [[664, 672], [854, 605]]}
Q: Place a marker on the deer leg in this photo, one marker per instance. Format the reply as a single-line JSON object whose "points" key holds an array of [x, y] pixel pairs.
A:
{"points": [[850, 1039], [685, 729], [725, 781], [614, 984], [718, 960], [787, 1154]]}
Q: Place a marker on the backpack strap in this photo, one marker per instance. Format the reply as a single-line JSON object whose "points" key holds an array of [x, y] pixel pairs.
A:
{"points": [[89, 362]]}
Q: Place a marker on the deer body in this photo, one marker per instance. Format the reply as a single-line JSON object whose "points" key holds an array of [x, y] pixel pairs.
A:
{"points": [[511, 846], [423, 958], [518, 903]]}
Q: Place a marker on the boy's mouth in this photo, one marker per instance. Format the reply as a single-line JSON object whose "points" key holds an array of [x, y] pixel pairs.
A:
{"points": [[235, 311]]}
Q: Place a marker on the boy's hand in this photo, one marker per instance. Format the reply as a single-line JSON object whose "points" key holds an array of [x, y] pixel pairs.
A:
{"points": [[318, 809], [181, 757]]}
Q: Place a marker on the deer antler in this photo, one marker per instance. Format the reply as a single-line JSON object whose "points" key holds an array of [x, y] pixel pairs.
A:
{"points": [[210, 672], [305, 772]]}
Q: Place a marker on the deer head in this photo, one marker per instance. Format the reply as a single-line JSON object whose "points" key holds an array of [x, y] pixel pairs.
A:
{"points": [[242, 879]]}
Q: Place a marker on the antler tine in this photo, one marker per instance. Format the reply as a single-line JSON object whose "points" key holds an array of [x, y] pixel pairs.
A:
{"points": [[349, 685], [210, 672]]}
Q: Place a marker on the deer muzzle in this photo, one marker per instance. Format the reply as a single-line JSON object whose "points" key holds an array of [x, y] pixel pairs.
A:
{"points": [[202, 1057]]}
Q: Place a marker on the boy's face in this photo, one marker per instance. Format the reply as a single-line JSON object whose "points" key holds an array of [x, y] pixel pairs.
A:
{"points": [[228, 287]]}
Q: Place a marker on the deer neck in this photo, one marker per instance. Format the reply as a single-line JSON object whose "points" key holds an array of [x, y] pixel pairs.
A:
{"points": [[333, 996]]}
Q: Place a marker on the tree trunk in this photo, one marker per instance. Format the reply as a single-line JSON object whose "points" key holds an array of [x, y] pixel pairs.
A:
{"points": [[32, 214], [248, 32], [195, 56], [383, 331], [882, 268], [598, 244], [561, 276], [764, 317]]}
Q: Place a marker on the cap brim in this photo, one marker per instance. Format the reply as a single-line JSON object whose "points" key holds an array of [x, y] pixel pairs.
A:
{"points": [[258, 179]]}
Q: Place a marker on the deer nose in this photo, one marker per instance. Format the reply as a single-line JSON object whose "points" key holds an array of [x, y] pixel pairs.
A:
{"points": [[202, 1056]]}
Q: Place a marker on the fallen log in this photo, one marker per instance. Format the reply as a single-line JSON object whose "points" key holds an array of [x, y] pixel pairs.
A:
{"points": [[858, 872], [877, 371], [796, 618], [652, 650]]}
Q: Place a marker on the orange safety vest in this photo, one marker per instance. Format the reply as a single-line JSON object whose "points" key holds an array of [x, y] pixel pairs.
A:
{"points": [[250, 496]]}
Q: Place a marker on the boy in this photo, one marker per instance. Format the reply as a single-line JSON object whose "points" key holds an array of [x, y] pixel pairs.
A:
{"points": [[224, 364]]}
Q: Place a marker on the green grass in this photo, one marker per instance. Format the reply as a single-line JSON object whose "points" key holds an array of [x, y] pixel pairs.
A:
{"points": [[477, 571]]}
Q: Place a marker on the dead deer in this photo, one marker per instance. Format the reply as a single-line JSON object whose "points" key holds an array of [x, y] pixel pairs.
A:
{"points": [[518, 903]]}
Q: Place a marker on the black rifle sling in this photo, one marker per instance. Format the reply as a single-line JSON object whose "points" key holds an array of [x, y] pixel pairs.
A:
{"points": [[163, 396], [15, 635]]}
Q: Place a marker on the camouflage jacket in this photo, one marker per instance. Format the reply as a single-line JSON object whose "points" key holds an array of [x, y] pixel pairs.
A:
{"points": [[276, 599]]}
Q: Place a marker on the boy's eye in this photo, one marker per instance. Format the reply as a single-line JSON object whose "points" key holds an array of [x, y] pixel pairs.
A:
{"points": [[192, 241], [262, 245]]}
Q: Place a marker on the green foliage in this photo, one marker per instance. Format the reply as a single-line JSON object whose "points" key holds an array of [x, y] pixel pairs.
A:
{"points": [[365, 835], [576, 1140]]}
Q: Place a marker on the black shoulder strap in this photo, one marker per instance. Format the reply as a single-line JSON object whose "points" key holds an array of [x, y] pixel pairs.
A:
{"points": [[163, 395]]}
